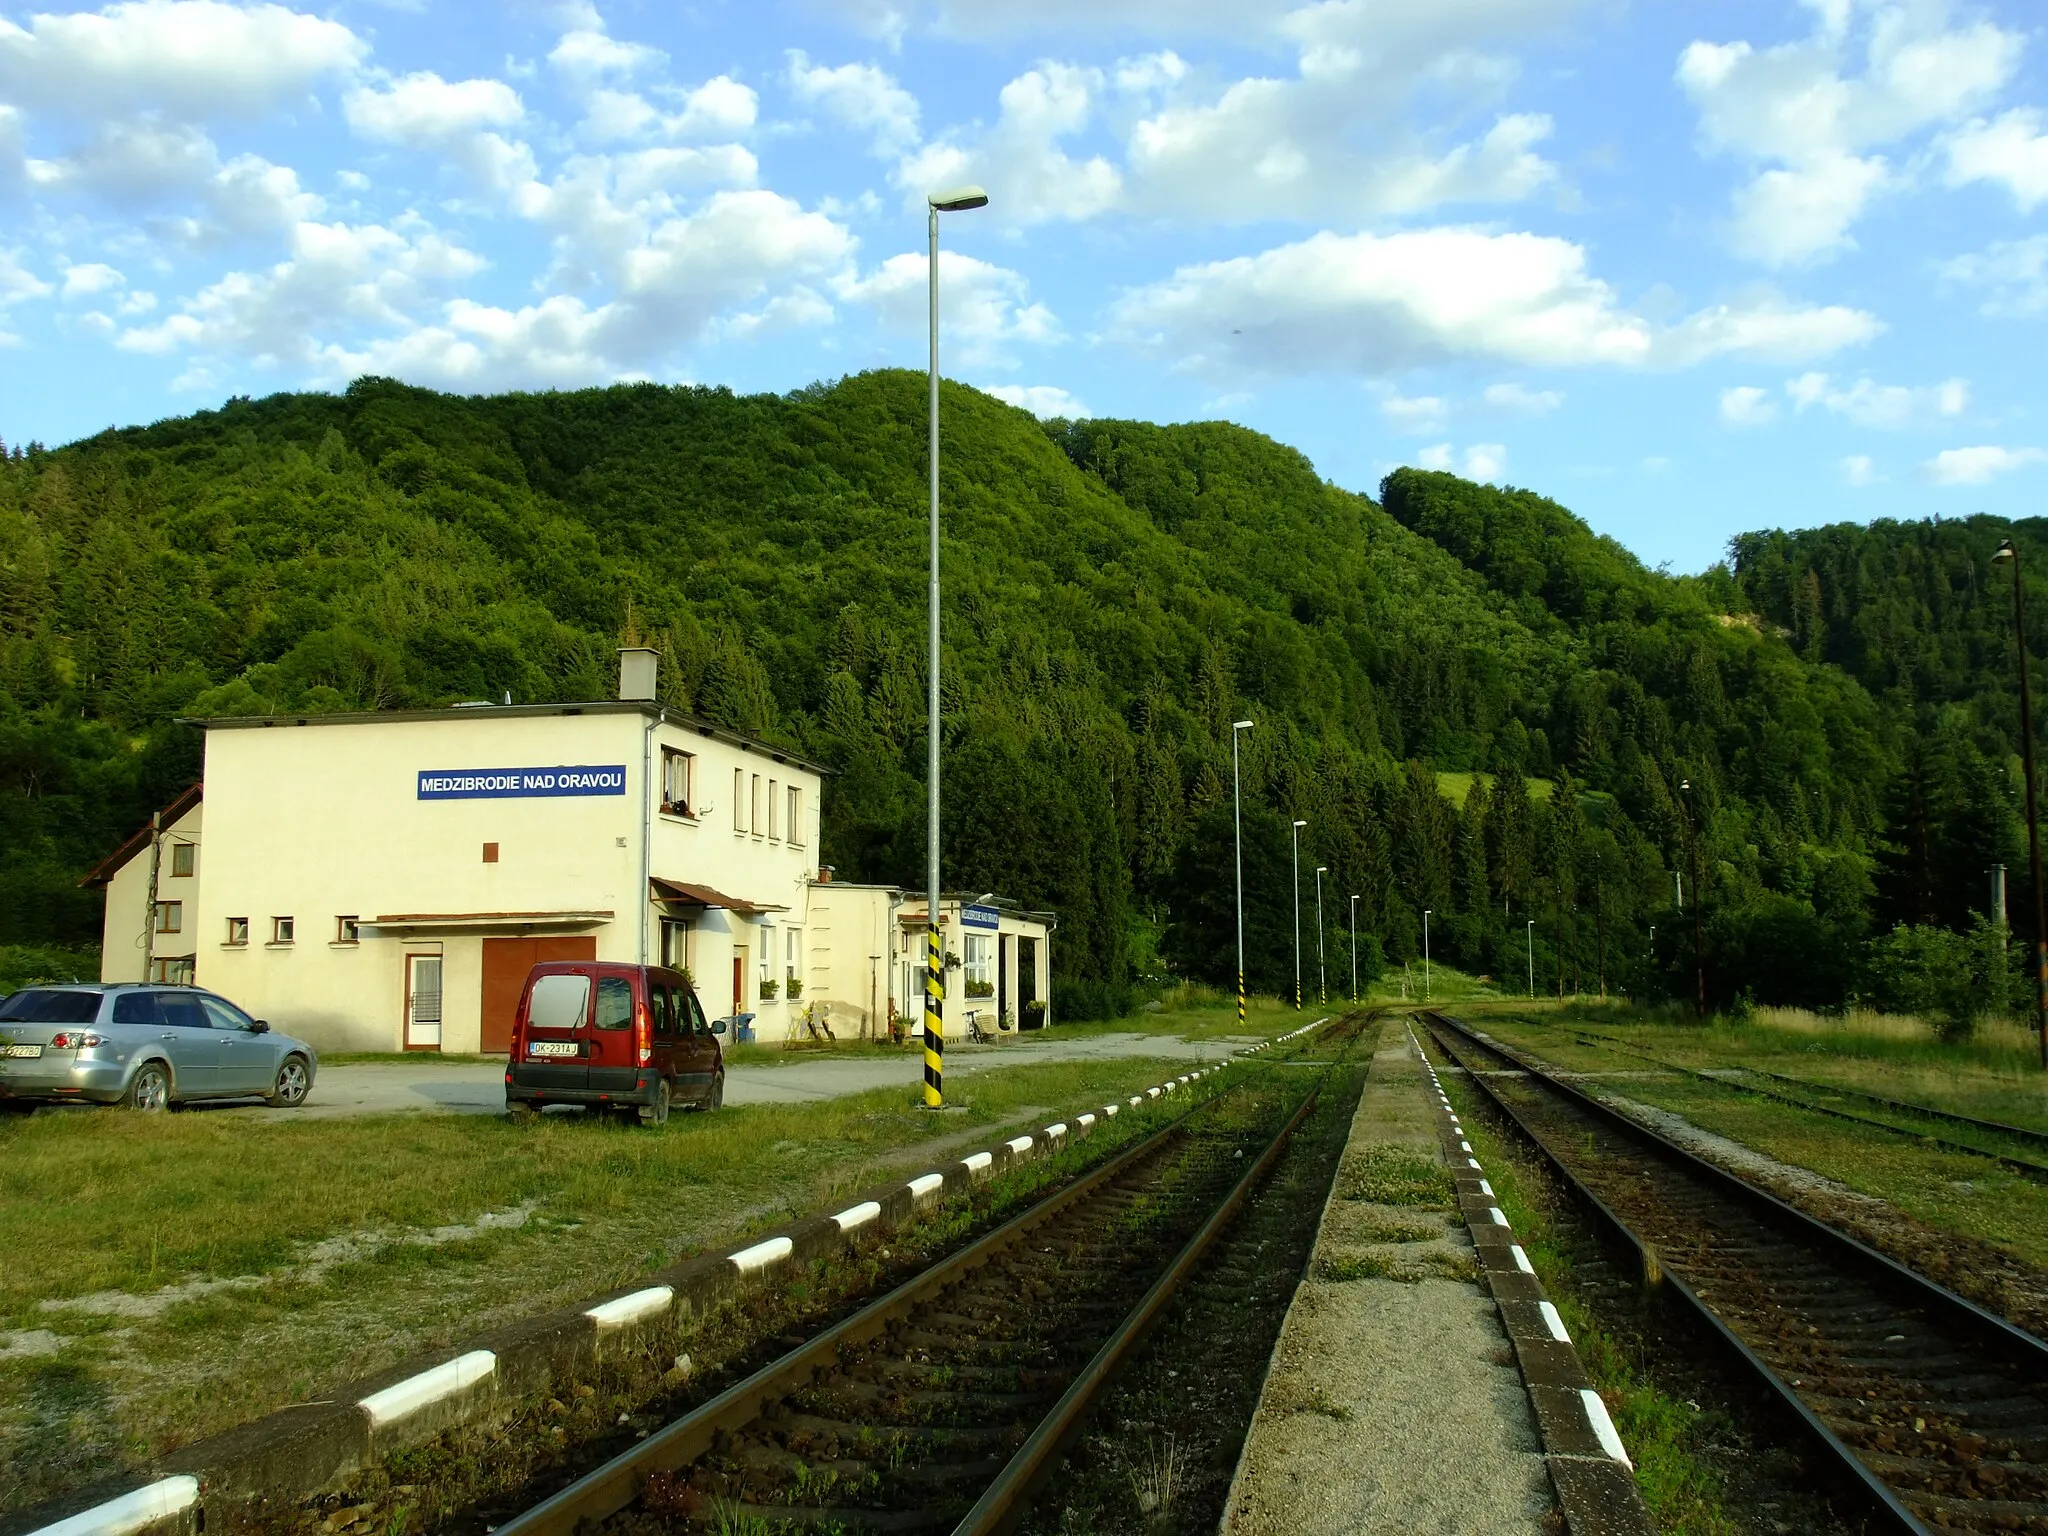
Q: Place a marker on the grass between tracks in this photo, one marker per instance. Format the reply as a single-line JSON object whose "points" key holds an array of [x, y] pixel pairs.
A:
{"points": [[1950, 1192], [1676, 1445], [164, 1277]]}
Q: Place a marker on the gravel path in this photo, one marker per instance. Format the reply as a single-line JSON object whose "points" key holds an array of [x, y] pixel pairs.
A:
{"points": [[1393, 1402]]}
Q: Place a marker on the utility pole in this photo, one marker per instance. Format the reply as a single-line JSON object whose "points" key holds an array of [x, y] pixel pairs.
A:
{"points": [[1298, 825], [1354, 950], [1532, 959], [1425, 954], [1237, 855], [1322, 971], [2007, 551], [156, 858], [1699, 953]]}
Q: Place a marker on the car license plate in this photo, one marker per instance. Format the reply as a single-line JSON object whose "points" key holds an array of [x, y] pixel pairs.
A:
{"points": [[552, 1048], [24, 1052]]}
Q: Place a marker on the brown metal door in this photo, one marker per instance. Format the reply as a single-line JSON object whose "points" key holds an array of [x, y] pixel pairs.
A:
{"points": [[506, 962]]}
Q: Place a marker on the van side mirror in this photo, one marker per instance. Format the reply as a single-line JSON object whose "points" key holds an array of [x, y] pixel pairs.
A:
{"points": [[718, 1026]]}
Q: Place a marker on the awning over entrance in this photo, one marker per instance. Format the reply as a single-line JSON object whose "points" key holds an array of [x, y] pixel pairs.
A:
{"points": [[683, 894], [486, 922]]}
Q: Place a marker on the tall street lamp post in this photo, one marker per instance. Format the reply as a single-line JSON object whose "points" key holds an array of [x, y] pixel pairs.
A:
{"points": [[1297, 914], [1532, 959], [1425, 954], [2006, 551], [1354, 950], [1322, 971], [958, 200], [1237, 833]]}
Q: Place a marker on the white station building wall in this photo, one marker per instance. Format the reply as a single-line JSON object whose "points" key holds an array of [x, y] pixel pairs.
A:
{"points": [[341, 854]]}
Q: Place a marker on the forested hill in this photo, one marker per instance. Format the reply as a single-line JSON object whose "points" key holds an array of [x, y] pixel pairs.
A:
{"points": [[1117, 594]]}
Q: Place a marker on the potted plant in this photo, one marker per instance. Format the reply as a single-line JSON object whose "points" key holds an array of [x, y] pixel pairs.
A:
{"points": [[1031, 1016], [794, 988], [769, 987], [981, 988]]}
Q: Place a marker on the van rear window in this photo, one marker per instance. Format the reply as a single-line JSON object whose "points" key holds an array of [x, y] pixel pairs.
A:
{"points": [[33, 1005], [614, 1002], [559, 1002]]}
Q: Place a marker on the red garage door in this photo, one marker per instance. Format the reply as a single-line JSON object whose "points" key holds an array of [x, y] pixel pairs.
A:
{"points": [[506, 962]]}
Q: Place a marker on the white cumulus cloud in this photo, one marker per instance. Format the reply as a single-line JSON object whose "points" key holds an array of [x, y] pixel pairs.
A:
{"points": [[1519, 397], [1415, 413], [857, 96], [1980, 465], [1858, 469], [2013, 273], [423, 109], [1813, 116], [1022, 158], [196, 59], [2011, 152], [1870, 404], [1379, 304], [1481, 461], [985, 311], [1747, 406], [1048, 402]]}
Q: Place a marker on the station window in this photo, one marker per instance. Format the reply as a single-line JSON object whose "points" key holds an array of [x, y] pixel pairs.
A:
{"points": [[182, 856], [172, 970], [170, 917], [774, 810], [754, 817], [675, 943], [678, 782], [238, 931], [348, 930], [793, 961], [979, 982], [739, 799], [796, 817], [282, 930]]}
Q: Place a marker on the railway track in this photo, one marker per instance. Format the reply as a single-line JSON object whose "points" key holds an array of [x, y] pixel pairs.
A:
{"points": [[942, 1405], [1809, 1092], [1936, 1410]]}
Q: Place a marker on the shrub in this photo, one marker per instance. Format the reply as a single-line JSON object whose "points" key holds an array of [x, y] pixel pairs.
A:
{"points": [[1950, 979]]}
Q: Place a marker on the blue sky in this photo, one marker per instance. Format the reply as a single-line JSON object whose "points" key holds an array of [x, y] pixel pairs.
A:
{"points": [[1689, 269]]}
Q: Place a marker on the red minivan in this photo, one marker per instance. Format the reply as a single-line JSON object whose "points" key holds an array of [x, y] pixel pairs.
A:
{"points": [[630, 1038]]}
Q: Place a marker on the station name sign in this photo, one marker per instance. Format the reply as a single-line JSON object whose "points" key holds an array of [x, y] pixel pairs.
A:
{"points": [[972, 916], [521, 783]]}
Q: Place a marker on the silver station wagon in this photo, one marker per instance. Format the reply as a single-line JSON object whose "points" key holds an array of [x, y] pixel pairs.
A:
{"points": [[145, 1046]]}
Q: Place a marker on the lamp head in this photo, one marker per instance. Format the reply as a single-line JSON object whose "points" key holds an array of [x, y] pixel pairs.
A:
{"points": [[1301, 823], [958, 199], [1240, 725], [2005, 550], [1322, 869]]}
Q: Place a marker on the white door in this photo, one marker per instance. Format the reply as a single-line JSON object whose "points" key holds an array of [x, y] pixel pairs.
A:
{"points": [[422, 1002]]}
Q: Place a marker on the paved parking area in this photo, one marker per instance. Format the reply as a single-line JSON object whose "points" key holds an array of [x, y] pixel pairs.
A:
{"points": [[478, 1087]]}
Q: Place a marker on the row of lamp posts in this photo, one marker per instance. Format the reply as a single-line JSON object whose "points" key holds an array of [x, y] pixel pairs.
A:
{"points": [[962, 199]]}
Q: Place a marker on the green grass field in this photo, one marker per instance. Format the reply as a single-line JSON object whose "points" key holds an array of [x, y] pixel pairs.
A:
{"points": [[1993, 1077]]}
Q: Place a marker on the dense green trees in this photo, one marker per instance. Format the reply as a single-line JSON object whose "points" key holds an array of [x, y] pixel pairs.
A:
{"points": [[1481, 709]]}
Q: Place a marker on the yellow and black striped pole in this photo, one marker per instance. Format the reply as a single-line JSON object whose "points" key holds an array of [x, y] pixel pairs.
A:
{"points": [[1240, 1002], [934, 1021]]}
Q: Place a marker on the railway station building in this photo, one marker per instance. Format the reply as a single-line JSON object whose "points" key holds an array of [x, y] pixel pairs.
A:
{"points": [[383, 882]]}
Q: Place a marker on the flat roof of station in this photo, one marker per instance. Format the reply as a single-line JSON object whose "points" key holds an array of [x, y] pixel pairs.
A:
{"points": [[457, 712]]}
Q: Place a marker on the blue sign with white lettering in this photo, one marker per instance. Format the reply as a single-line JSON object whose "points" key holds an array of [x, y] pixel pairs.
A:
{"points": [[521, 783], [972, 916]]}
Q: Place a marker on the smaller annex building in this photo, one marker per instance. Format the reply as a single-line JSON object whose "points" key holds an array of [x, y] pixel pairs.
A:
{"points": [[383, 882], [867, 960]]}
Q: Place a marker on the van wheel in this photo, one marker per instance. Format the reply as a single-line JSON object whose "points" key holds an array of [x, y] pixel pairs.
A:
{"points": [[715, 1099], [521, 1114], [657, 1112]]}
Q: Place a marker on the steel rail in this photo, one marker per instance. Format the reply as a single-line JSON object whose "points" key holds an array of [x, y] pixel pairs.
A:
{"points": [[1888, 1274], [2018, 1165], [1988, 1127], [609, 1488], [1009, 1495]]}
